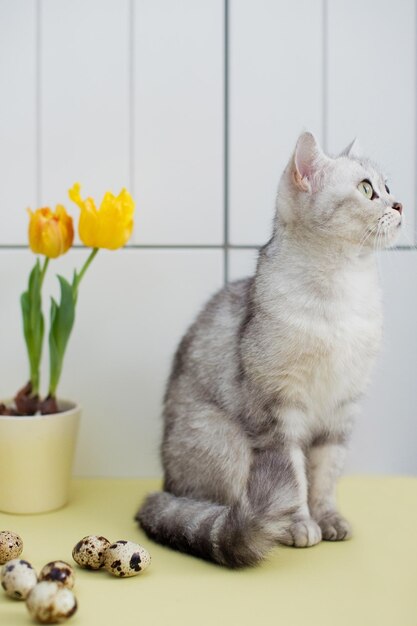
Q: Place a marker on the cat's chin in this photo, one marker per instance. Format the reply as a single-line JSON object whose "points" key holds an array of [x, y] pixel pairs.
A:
{"points": [[394, 235], [383, 241]]}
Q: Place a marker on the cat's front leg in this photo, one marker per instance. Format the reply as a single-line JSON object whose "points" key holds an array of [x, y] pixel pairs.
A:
{"points": [[325, 463], [304, 530], [277, 489]]}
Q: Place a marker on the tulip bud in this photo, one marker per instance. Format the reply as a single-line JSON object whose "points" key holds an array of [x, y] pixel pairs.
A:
{"points": [[50, 234]]}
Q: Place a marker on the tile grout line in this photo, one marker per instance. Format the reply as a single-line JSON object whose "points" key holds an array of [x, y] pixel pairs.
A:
{"points": [[226, 143], [131, 30], [414, 232], [197, 247], [38, 105], [324, 75]]}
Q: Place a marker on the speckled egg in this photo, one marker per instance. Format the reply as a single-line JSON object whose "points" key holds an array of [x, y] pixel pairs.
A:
{"points": [[50, 603], [125, 558], [89, 552], [58, 572], [11, 546], [17, 578]]}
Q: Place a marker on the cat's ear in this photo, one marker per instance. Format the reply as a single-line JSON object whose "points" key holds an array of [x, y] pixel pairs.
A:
{"points": [[309, 160], [352, 150]]}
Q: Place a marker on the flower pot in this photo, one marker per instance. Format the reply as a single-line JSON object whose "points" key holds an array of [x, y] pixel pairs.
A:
{"points": [[36, 456]]}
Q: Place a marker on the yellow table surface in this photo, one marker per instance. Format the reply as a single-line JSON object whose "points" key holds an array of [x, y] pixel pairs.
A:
{"points": [[369, 580]]}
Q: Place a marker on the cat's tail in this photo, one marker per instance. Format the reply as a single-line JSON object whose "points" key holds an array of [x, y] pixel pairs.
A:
{"points": [[235, 536]]}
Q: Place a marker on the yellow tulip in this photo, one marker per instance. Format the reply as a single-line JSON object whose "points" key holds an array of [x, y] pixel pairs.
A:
{"points": [[50, 234], [111, 225]]}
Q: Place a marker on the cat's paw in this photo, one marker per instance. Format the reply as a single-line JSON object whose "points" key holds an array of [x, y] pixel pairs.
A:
{"points": [[302, 533], [334, 527]]}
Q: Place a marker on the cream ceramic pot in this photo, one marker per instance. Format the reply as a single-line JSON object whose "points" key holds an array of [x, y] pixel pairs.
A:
{"points": [[36, 456]]}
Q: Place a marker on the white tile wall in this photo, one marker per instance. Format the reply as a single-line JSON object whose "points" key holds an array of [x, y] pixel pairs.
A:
{"points": [[178, 127], [18, 113], [242, 263], [385, 437], [84, 93], [276, 89], [195, 105]]}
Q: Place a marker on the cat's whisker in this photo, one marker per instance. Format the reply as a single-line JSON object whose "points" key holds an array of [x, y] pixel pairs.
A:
{"points": [[393, 249], [383, 237], [387, 242], [366, 236], [375, 242]]}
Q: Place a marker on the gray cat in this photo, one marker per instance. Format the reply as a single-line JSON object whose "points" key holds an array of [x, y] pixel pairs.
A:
{"points": [[265, 384]]}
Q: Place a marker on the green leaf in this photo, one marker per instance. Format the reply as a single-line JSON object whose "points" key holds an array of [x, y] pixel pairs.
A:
{"points": [[62, 317], [33, 323]]}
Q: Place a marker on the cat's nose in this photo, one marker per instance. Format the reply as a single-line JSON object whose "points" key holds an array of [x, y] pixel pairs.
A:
{"points": [[397, 206]]}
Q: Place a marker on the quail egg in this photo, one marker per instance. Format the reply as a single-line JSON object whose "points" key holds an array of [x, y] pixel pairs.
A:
{"points": [[18, 578], [11, 546], [89, 552], [58, 572], [125, 558], [50, 603]]}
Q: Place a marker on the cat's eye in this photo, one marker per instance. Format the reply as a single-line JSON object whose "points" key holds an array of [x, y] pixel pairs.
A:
{"points": [[387, 189], [366, 188]]}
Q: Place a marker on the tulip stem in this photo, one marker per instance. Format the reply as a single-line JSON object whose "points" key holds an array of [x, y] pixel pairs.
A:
{"points": [[44, 268], [84, 268], [62, 322]]}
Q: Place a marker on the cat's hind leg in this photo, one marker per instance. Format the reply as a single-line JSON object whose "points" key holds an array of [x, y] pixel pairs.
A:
{"points": [[205, 454], [223, 501], [237, 534]]}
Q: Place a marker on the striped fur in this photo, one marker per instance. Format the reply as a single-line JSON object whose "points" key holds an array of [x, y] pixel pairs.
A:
{"points": [[234, 536]]}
